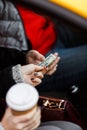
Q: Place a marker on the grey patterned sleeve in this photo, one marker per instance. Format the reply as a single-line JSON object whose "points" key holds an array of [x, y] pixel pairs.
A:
{"points": [[17, 75]]}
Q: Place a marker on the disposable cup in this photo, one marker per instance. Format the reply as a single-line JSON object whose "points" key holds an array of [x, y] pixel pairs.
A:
{"points": [[22, 98]]}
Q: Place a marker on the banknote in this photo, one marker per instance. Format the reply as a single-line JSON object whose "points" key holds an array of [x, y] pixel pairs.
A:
{"points": [[48, 60]]}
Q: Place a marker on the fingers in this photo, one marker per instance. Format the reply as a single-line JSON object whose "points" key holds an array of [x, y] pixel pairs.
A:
{"points": [[33, 126], [34, 57], [50, 72], [34, 79], [38, 68], [34, 122], [28, 69], [30, 122], [45, 70], [32, 74], [40, 57], [38, 75], [36, 125]]}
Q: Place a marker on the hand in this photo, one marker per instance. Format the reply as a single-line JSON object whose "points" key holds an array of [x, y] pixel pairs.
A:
{"points": [[53, 67], [28, 121], [34, 57], [32, 74]]}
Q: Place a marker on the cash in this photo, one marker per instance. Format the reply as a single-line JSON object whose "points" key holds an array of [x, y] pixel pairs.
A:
{"points": [[48, 60]]}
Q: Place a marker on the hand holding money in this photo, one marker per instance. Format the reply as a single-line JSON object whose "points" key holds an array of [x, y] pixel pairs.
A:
{"points": [[50, 63]]}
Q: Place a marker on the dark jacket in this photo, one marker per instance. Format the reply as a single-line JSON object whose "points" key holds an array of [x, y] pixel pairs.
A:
{"points": [[13, 43]]}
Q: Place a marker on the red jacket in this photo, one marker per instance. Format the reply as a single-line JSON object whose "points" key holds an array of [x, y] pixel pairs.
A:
{"points": [[39, 30]]}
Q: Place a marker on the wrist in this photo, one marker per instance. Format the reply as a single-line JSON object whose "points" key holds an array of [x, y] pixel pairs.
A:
{"points": [[17, 74]]}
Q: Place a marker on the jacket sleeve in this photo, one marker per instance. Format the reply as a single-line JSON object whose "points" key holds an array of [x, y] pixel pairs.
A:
{"points": [[12, 57], [6, 81], [2, 5]]}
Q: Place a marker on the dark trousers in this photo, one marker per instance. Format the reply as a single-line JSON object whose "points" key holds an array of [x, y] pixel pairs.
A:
{"points": [[72, 68]]}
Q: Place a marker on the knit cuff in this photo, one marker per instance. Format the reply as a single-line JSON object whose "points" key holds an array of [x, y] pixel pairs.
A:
{"points": [[17, 74]]}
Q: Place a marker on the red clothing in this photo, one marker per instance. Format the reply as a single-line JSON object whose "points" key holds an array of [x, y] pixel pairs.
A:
{"points": [[39, 30]]}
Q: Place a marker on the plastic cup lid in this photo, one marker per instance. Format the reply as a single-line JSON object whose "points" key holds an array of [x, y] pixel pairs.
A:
{"points": [[22, 97]]}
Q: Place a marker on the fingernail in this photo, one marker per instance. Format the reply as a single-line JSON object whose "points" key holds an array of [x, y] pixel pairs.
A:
{"points": [[46, 67], [56, 53], [35, 74]]}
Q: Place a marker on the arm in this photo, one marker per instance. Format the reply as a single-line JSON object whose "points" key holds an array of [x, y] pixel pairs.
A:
{"points": [[19, 74], [6, 81], [10, 57]]}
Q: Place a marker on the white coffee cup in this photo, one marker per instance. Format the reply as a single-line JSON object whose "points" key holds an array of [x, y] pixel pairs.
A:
{"points": [[22, 98]]}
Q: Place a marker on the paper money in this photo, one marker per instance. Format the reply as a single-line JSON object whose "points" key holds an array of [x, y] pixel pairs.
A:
{"points": [[48, 60]]}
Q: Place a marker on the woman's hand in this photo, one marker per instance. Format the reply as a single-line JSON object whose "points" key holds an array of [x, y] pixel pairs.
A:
{"points": [[32, 74], [34, 57], [28, 121]]}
